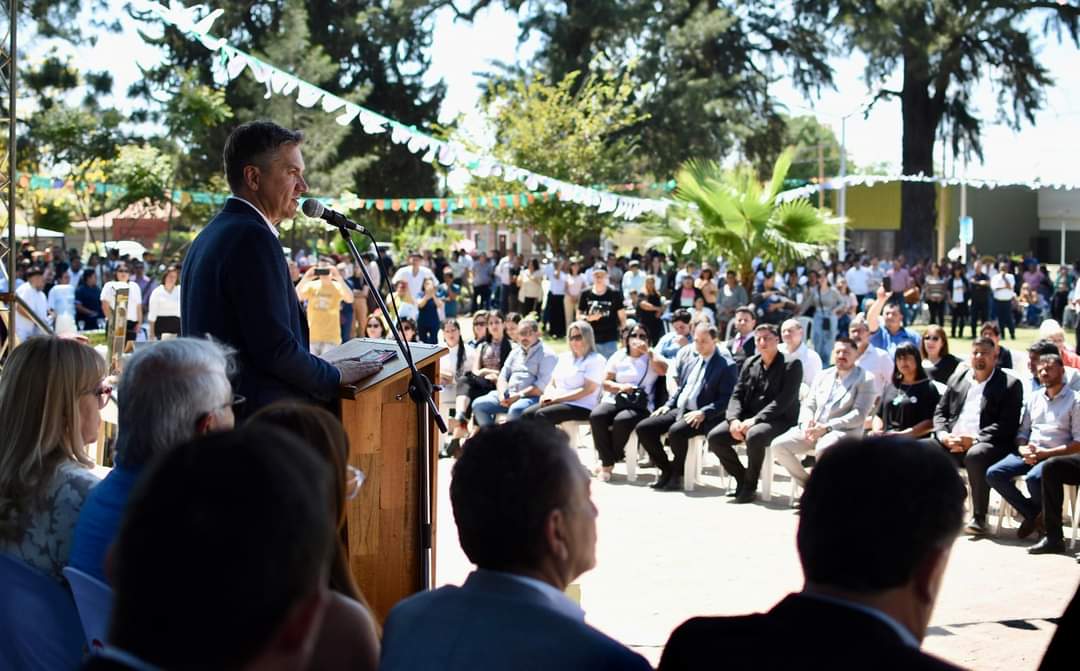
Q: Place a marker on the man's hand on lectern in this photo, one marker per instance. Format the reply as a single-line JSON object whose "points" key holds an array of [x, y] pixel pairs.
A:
{"points": [[352, 369]]}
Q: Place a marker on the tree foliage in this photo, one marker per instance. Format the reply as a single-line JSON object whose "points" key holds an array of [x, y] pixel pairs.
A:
{"points": [[944, 49], [702, 68], [571, 130], [734, 215], [369, 51]]}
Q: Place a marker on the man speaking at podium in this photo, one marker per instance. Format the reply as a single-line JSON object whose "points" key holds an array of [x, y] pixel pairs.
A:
{"points": [[236, 281]]}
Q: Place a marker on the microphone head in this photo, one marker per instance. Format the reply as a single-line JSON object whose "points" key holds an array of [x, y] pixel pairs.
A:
{"points": [[313, 208]]}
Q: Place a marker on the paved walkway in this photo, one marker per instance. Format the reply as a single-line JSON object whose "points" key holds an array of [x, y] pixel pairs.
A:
{"points": [[664, 557]]}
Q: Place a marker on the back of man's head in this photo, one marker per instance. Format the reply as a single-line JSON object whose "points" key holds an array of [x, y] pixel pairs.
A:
{"points": [[509, 479], [224, 552], [166, 390], [874, 510]]}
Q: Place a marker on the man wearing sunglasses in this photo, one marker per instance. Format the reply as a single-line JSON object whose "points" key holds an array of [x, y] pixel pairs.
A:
{"points": [[171, 392]]}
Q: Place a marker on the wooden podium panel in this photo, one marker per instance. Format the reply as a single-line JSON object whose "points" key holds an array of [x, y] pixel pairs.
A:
{"points": [[383, 521]]}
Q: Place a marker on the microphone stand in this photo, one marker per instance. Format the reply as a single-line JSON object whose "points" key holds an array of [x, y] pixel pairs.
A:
{"points": [[420, 391]]}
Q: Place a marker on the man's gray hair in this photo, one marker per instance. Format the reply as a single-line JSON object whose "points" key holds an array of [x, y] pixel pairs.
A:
{"points": [[165, 389]]}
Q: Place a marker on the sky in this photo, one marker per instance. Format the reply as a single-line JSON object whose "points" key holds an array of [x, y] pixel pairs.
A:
{"points": [[460, 50]]}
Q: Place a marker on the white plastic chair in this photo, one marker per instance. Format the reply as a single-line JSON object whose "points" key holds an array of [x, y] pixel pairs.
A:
{"points": [[807, 324], [94, 600]]}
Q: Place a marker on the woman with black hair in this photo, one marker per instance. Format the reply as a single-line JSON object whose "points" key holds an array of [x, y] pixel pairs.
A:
{"points": [[483, 369], [908, 402]]}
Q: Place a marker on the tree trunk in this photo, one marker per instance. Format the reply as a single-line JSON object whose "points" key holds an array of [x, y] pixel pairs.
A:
{"points": [[918, 211]]}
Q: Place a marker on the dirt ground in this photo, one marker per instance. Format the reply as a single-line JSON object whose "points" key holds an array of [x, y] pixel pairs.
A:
{"points": [[664, 557]]}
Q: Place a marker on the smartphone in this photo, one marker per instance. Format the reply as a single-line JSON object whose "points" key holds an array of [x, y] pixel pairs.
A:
{"points": [[321, 272], [887, 283]]}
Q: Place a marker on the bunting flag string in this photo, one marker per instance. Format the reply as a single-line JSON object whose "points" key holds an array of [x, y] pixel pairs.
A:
{"points": [[346, 201], [835, 183], [230, 63]]}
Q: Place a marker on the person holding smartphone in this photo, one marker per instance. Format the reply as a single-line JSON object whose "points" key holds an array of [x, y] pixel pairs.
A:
{"points": [[324, 289]]}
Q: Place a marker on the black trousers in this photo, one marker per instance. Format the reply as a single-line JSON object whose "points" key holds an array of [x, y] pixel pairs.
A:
{"points": [[1004, 313], [556, 316], [980, 312], [722, 444], [679, 433], [481, 297], [557, 413], [959, 317], [611, 429], [976, 461], [1057, 472], [937, 312]]}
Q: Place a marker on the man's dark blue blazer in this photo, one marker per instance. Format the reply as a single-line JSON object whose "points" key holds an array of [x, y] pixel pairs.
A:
{"points": [[720, 376], [237, 289]]}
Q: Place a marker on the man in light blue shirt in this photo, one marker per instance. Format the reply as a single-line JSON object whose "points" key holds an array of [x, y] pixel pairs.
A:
{"points": [[523, 378], [892, 334], [1051, 420]]}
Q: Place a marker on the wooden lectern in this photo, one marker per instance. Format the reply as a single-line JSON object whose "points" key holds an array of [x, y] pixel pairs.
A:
{"points": [[383, 521]]}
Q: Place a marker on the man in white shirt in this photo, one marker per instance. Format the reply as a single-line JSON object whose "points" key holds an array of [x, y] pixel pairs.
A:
{"points": [[62, 303], [872, 359], [134, 305], [414, 274], [858, 280], [791, 332], [1003, 286], [633, 280], [31, 293], [977, 421]]}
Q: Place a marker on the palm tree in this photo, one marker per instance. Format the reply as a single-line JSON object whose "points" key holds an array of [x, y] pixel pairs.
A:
{"points": [[732, 214]]}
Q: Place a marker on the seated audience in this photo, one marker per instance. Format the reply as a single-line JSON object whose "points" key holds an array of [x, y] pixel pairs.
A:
{"points": [[454, 363], [51, 395], [575, 380], [170, 392], [893, 333], [613, 420], [525, 517], [873, 360], [513, 319], [976, 422], [1035, 352], [374, 328], [678, 337], [489, 355], [741, 345], [706, 385], [865, 604], [1051, 330], [522, 379], [1062, 468], [910, 399], [764, 405], [257, 600], [348, 638], [934, 347], [407, 329], [479, 327], [992, 331], [834, 409], [793, 337], [1051, 426]]}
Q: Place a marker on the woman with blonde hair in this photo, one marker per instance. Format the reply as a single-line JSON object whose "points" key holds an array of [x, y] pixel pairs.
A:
{"points": [[51, 396]]}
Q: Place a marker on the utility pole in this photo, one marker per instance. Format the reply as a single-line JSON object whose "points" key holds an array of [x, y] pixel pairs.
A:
{"points": [[821, 175]]}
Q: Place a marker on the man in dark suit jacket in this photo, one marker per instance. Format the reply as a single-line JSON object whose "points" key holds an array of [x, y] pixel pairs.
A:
{"points": [[525, 518], [976, 421], [741, 345], [764, 405], [236, 282], [868, 596], [707, 381]]}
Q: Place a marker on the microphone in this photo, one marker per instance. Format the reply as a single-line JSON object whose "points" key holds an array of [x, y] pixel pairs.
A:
{"points": [[316, 210]]}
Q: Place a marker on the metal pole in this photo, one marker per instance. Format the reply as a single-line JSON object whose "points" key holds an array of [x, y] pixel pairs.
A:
{"points": [[821, 175], [13, 7], [842, 199], [1063, 242]]}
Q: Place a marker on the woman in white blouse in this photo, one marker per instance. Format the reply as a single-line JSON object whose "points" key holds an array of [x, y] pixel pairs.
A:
{"points": [[575, 284], [632, 367], [575, 383], [164, 313]]}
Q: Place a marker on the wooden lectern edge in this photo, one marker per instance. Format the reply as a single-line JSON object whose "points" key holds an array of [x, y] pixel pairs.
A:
{"points": [[423, 354]]}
